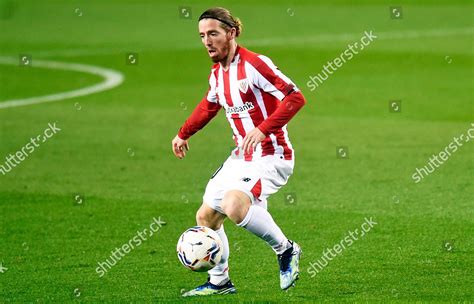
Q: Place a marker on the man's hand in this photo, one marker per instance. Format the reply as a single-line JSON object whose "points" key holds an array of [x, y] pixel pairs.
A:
{"points": [[179, 147], [252, 139]]}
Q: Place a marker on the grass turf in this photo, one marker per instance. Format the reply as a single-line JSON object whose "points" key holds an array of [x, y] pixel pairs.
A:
{"points": [[114, 150]]}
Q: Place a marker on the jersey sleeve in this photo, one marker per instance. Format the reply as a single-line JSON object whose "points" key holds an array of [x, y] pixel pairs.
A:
{"points": [[206, 110], [267, 77], [282, 115]]}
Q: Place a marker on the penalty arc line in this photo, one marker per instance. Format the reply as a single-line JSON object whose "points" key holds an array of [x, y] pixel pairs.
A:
{"points": [[111, 80]]}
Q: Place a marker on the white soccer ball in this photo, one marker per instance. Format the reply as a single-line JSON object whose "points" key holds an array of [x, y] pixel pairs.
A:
{"points": [[199, 248]]}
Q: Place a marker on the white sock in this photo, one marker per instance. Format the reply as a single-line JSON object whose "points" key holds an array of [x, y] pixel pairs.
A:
{"points": [[220, 273], [260, 222]]}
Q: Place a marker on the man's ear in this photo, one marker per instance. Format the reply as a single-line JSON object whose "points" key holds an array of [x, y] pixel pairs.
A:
{"points": [[231, 34]]}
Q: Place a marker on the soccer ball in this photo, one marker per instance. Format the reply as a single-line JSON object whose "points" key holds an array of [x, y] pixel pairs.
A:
{"points": [[199, 248]]}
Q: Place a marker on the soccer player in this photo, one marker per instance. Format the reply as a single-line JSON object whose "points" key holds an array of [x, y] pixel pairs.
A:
{"points": [[259, 101]]}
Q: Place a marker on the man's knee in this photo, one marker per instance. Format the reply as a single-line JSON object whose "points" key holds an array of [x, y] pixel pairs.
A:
{"points": [[201, 217], [206, 216], [236, 205]]}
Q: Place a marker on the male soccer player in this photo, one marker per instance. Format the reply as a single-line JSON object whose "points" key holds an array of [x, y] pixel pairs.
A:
{"points": [[259, 101]]}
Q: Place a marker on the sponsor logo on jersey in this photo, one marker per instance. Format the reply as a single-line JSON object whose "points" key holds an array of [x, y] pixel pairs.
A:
{"points": [[239, 109]]}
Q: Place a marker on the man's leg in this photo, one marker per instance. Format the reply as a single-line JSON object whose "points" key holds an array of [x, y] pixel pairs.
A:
{"points": [[219, 282], [238, 207], [206, 216]]}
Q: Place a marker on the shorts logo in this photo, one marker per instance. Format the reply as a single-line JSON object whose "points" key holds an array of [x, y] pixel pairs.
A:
{"points": [[246, 179], [243, 85]]}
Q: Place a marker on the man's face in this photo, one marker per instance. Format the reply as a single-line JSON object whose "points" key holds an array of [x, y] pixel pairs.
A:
{"points": [[215, 39]]}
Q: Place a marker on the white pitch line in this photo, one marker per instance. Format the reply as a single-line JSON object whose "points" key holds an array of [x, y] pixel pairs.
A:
{"points": [[112, 79]]}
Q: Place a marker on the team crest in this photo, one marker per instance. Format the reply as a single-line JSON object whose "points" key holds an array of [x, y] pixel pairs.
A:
{"points": [[243, 85]]}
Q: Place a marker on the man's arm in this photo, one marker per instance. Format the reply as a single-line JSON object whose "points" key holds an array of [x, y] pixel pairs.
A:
{"points": [[291, 104], [266, 76], [202, 114]]}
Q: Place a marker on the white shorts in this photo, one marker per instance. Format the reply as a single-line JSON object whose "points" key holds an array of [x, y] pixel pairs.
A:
{"points": [[258, 178]]}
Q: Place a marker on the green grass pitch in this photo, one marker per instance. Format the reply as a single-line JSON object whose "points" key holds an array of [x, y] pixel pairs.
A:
{"points": [[110, 170]]}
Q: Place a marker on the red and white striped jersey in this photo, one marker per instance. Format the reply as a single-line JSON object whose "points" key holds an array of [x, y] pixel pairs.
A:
{"points": [[250, 91]]}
